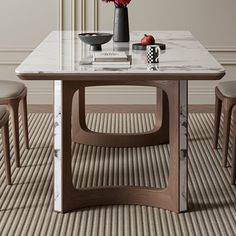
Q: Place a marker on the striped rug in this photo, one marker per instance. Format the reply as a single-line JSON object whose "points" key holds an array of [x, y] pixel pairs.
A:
{"points": [[26, 207]]}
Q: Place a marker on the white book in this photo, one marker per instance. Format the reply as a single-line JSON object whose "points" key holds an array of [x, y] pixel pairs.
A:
{"points": [[110, 56], [112, 66], [111, 63]]}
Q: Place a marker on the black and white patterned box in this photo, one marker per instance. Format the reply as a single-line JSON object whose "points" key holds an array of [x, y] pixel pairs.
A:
{"points": [[153, 53]]}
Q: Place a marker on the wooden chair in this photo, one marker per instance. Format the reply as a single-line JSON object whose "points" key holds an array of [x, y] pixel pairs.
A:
{"points": [[11, 94], [225, 93], [4, 116], [233, 167]]}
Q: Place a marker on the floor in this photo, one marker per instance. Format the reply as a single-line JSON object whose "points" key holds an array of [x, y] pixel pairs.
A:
{"points": [[26, 207]]}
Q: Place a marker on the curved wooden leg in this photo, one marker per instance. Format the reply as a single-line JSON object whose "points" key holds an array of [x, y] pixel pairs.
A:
{"points": [[24, 116], [159, 107], [218, 105], [6, 150], [162, 114], [227, 110], [78, 113], [14, 107], [233, 168]]}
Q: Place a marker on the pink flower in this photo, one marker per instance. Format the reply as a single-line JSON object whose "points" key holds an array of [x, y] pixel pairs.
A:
{"points": [[119, 3]]}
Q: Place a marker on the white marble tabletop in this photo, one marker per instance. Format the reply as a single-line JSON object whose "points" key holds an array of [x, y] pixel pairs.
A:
{"points": [[62, 52]]}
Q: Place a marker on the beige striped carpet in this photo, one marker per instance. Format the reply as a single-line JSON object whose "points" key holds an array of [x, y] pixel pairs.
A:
{"points": [[26, 208]]}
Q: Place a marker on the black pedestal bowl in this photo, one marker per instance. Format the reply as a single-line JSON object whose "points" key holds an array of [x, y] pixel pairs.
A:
{"points": [[95, 40]]}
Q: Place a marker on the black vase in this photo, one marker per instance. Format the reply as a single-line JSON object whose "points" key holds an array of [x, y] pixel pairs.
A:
{"points": [[121, 25]]}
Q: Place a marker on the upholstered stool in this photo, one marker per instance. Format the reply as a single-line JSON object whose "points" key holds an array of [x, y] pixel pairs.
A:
{"points": [[11, 94], [225, 93], [233, 167], [4, 116]]}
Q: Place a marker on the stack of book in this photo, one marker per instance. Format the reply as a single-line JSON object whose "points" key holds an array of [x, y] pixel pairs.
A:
{"points": [[111, 59]]}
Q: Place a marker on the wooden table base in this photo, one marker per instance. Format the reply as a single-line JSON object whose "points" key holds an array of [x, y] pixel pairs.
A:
{"points": [[158, 135], [173, 197]]}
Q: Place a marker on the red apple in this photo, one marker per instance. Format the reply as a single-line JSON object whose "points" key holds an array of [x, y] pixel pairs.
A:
{"points": [[147, 40]]}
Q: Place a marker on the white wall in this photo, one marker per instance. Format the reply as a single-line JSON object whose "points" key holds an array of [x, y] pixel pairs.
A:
{"points": [[23, 24], [212, 22]]}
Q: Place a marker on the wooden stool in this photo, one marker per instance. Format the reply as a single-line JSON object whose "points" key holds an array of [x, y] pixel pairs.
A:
{"points": [[4, 116], [233, 168], [11, 94], [225, 93]]}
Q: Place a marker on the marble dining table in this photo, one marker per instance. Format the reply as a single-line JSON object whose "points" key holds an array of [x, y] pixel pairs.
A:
{"points": [[63, 58]]}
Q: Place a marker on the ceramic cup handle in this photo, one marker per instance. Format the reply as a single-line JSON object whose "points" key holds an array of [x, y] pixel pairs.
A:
{"points": [[153, 53]]}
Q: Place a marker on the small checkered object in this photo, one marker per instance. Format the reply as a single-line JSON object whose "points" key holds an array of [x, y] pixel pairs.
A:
{"points": [[152, 54]]}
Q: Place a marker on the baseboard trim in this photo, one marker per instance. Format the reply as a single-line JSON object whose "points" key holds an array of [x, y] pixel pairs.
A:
{"points": [[121, 99], [48, 108]]}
